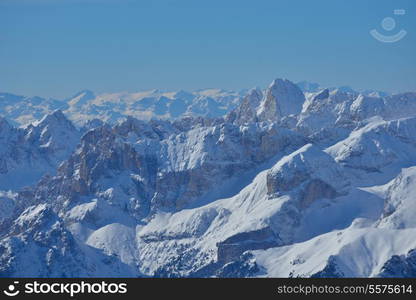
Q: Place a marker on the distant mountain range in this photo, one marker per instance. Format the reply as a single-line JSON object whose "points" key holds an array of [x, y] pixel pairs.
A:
{"points": [[291, 181], [146, 105]]}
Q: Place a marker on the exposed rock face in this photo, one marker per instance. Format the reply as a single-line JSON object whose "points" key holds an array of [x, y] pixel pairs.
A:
{"points": [[331, 270], [246, 112], [326, 116], [7, 205], [8, 137], [245, 266], [283, 98], [53, 250], [320, 96], [400, 266], [216, 158], [28, 154], [231, 249], [171, 183], [91, 124], [286, 184], [316, 189], [101, 156]]}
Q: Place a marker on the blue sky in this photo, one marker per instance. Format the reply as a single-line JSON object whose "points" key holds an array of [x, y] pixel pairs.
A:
{"points": [[55, 48]]}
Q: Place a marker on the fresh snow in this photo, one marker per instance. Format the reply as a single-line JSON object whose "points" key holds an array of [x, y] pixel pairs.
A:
{"points": [[290, 181]]}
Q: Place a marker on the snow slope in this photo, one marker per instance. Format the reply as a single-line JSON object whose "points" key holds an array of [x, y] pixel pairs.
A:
{"points": [[353, 252], [263, 183]]}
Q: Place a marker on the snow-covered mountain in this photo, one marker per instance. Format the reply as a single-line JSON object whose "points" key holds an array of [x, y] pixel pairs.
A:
{"points": [[275, 182], [27, 154], [112, 107]]}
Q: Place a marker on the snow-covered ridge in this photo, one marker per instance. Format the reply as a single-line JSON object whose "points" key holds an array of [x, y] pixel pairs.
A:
{"points": [[113, 107], [27, 154], [287, 181], [86, 105]]}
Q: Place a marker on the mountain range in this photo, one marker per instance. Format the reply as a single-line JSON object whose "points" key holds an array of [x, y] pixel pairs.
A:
{"points": [[293, 180], [86, 106]]}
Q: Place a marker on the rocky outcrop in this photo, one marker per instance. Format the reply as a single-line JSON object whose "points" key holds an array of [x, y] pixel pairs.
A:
{"points": [[314, 190], [41, 247], [282, 98], [403, 266], [278, 186], [246, 112], [230, 249], [26, 154], [331, 270], [243, 267]]}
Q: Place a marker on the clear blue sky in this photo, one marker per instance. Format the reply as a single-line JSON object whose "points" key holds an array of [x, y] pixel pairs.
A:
{"points": [[58, 47]]}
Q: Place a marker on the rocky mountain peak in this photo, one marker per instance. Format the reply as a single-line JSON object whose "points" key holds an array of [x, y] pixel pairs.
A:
{"points": [[55, 119], [282, 98], [282, 186], [246, 112]]}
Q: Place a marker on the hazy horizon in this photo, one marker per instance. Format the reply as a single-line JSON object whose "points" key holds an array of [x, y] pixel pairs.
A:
{"points": [[57, 48]]}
